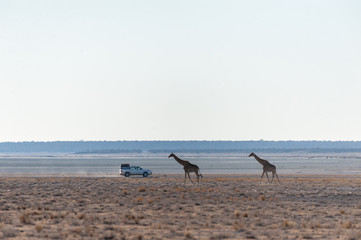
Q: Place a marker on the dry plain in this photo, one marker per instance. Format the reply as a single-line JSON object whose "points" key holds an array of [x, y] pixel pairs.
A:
{"points": [[161, 207]]}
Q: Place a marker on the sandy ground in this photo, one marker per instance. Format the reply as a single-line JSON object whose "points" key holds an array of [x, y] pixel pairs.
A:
{"points": [[161, 207]]}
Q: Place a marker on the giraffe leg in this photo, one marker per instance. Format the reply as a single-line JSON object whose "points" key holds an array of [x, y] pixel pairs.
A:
{"points": [[261, 177], [185, 177], [273, 175], [267, 177], [190, 177], [278, 179], [197, 177]]}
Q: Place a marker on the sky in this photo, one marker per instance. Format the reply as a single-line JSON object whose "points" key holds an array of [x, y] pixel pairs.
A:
{"points": [[180, 70]]}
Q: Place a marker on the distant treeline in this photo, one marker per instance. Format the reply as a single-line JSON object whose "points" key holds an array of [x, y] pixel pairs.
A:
{"points": [[178, 146], [280, 150]]}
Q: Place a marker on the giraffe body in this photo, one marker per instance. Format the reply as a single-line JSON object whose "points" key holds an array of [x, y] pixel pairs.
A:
{"points": [[188, 168], [267, 167]]}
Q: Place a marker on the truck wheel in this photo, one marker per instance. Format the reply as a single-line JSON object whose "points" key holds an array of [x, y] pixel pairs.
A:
{"points": [[127, 174], [145, 174]]}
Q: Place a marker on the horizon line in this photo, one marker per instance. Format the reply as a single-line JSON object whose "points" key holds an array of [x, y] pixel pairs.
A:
{"points": [[259, 140]]}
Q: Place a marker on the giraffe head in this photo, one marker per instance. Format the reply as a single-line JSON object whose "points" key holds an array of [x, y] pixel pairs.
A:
{"points": [[252, 154], [171, 155]]}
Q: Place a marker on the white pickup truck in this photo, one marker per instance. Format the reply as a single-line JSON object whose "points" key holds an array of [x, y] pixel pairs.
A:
{"points": [[127, 170]]}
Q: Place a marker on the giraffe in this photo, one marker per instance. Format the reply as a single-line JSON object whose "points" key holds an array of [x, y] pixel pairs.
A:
{"points": [[188, 168], [267, 167]]}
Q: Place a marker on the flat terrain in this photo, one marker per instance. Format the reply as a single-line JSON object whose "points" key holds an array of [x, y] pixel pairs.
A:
{"points": [[161, 207]]}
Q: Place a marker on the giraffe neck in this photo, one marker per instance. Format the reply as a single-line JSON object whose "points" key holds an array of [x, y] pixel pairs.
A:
{"points": [[260, 160], [180, 161]]}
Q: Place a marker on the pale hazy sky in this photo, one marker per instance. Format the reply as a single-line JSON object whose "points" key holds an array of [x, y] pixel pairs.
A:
{"points": [[180, 70]]}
